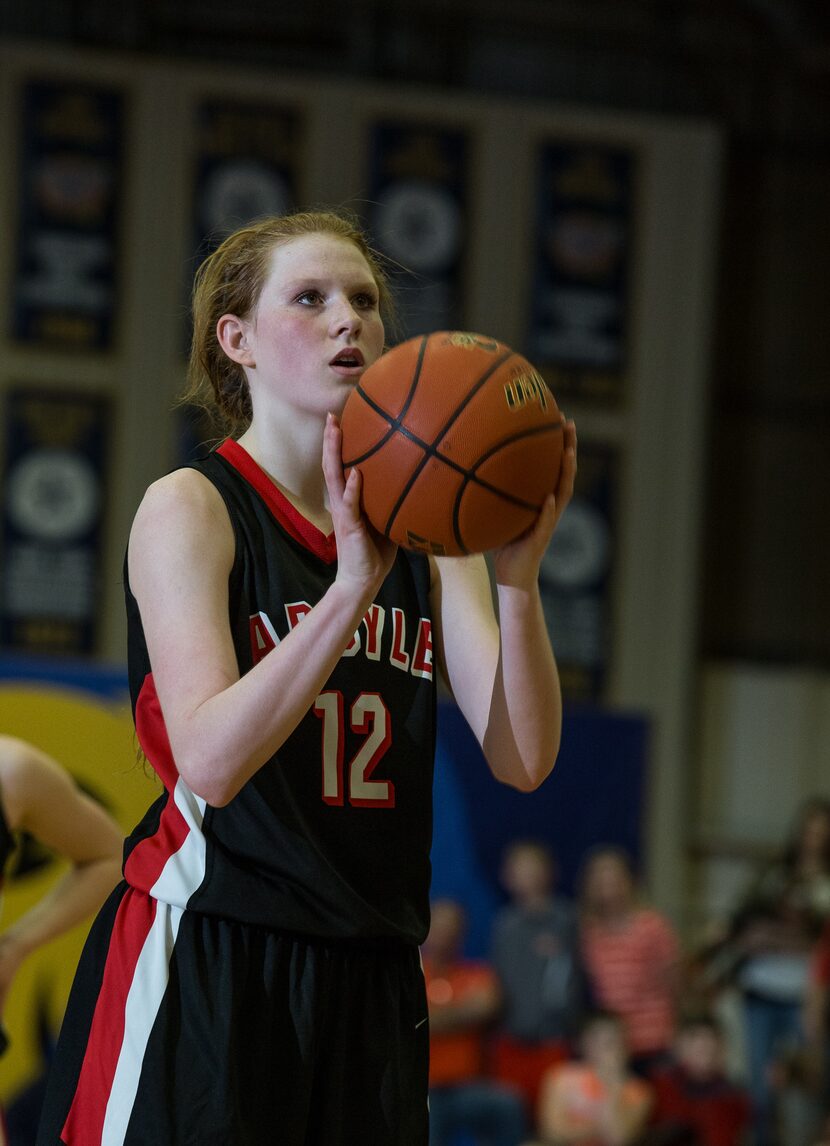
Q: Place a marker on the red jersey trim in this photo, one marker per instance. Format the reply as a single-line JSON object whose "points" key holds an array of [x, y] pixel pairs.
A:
{"points": [[133, 922], [288, 516], [146, 861]]}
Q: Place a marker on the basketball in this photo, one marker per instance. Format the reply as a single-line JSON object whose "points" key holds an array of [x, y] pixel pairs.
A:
{"points": [[458, 440]]}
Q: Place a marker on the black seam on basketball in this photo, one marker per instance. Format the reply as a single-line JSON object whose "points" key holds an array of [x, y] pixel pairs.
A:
{"points": [[394, 423], [472, 477], [531, 432], [431, 449]]}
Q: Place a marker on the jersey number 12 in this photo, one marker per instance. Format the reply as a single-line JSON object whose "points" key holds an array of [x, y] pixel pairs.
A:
{"points": [[368, 716]]}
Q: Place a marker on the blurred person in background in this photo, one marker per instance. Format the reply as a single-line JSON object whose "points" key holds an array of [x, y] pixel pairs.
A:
{"points": [[771, 938], [38, 797], [536, 955], [597, 1101], [464, 1000], [816, 1023], [632, 956], [695, 1101]]}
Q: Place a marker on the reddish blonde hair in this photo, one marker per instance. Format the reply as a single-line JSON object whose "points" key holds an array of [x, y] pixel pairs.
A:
{"points": [[230, 281]]}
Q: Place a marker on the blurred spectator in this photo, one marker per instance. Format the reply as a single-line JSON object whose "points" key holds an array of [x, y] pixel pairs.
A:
{"points": [[772, 936], [816, 1020], [536, 956], [632, 956], [598, 1101], [463, 998], [693, 1096]]}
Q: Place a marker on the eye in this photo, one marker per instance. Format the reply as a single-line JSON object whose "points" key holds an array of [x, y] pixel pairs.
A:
{"points": [[309, 297], [365, 300]]}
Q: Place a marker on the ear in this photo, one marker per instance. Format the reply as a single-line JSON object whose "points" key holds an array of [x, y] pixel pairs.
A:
{"points": [[232, 333]]}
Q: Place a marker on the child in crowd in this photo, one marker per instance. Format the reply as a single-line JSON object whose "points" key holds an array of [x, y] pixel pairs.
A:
{"points": [[598, 1101], [693, 1095]]}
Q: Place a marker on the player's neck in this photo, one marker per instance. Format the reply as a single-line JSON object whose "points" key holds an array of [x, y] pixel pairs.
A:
{"points": [[293, 462]]}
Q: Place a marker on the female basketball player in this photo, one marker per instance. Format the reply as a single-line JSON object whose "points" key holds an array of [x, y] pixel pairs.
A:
{"points": [[37, 796], [256, 979]]}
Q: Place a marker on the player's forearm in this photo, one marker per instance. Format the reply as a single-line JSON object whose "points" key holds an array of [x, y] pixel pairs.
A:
{"points": [[525, 720], [221, 744], [74, 898]]}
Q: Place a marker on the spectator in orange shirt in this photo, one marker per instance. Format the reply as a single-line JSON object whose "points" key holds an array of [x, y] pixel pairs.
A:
{"points": [[599, 1101], [632, 957], [463, 999]]}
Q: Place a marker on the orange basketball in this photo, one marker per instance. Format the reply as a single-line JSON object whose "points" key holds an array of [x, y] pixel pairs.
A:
{"points": [[458, 440]]}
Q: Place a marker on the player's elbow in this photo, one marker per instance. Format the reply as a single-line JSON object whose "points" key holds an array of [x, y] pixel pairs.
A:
{"points": [[529, 782], [523, 775], [208, 782]]}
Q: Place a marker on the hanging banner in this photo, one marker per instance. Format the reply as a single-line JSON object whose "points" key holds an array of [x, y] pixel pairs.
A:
{"points": [[579, 299], [64, 288], [418, 191], [53, 512], [576, 577], [247, 166]]}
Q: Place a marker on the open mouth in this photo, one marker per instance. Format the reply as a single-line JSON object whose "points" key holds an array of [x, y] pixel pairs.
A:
{"points": [[348, 359]]}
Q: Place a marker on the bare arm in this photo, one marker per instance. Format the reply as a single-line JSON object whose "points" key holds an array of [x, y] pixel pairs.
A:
{"points": [[222, 728], [40, 797], [503, 672]]}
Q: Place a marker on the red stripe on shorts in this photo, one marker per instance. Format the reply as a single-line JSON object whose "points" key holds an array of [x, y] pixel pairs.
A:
{"points": [[85, 1121]]}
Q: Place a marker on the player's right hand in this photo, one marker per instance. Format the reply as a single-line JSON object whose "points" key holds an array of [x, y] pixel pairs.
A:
{"points": [[364, 556]]}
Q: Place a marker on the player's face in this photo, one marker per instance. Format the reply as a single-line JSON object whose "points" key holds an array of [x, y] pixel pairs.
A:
{"points": [[317, 325]]}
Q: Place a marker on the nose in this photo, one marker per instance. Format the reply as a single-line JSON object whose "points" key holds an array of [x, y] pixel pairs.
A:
{"points": [[345, 319]]}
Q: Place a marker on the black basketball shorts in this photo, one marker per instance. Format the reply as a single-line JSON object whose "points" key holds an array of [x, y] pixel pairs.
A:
{"points": [[187, 1030]]}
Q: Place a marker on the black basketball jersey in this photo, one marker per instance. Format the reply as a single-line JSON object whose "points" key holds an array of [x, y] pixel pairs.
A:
{"points": [[331, 836]]}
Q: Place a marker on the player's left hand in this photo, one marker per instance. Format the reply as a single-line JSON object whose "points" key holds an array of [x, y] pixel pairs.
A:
{"points": [[517, 564]]}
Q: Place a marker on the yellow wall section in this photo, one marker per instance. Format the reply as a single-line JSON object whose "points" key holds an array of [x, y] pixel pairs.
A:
{"points": [[95, 741]]}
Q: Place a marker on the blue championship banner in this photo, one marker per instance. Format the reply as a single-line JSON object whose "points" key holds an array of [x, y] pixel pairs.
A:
{"points": [[64, 289], [53, 510], [247, 166], [575, 579], [418, 196], [579, 308]]}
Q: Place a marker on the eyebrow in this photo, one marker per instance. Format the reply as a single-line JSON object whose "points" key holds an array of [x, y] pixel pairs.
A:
{"points": [[314, 280]]}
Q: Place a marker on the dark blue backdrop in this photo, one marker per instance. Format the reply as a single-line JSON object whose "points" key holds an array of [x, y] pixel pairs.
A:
{"points": [[596, 794]]}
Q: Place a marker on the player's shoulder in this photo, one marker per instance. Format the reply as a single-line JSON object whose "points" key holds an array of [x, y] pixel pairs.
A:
{"points": [[182, 523], [184, 499]]}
